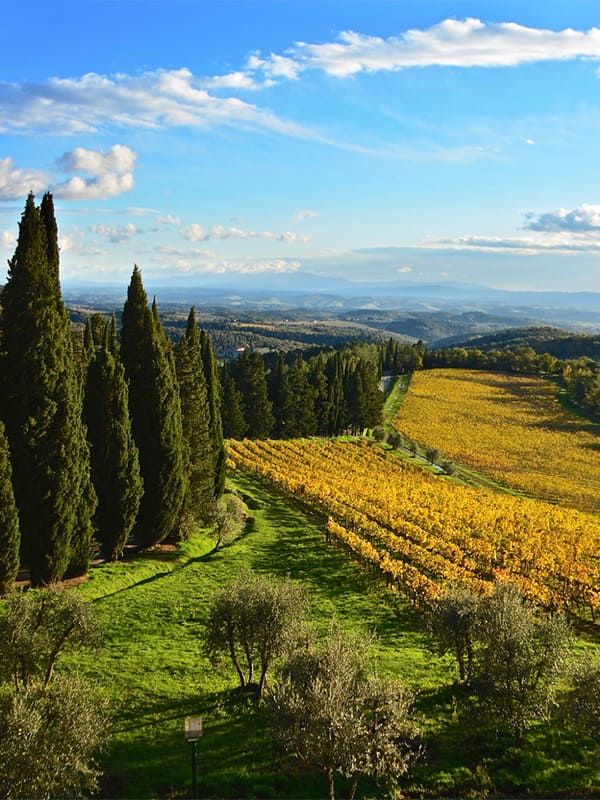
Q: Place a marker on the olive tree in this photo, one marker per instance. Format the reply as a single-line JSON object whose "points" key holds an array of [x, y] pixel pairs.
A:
{"points": [[337, 719], [51, 724], [581, 703], [227, 517], [251, 622], [452, 621], [521, 653]]}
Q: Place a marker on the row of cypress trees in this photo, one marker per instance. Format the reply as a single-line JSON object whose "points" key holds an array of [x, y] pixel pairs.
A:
{"points": [[332, 393], [130, 446]]}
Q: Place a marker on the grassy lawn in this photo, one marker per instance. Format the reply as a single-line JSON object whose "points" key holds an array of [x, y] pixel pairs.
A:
{"points": [[152, 670]]}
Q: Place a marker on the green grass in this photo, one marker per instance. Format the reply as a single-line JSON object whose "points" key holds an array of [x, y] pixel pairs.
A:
{"points": [[152, 670], [393, 400]]}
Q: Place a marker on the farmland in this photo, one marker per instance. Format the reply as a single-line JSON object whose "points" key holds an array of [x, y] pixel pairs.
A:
{"points": [[510, 428], [423, 533]]}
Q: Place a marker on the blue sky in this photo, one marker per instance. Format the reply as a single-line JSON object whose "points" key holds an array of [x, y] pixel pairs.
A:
{"points": [[401, 141]]}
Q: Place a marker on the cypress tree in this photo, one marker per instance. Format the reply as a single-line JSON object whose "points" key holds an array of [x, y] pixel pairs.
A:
{"points": [[42, 407], [251, 381], [280, 395], [114, 454], [303, 419], [215, 427], [155, 411], [335, 374], [232, 415], [52, 251], [195, 420], [322, 394], [10, 536]]}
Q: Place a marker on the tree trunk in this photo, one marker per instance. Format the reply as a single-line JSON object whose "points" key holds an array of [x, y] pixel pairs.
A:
{"points": [[354, 785], [330, 785]]}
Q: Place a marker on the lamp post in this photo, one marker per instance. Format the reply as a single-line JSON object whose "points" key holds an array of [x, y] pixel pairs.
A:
{"points": [[192, 730]]}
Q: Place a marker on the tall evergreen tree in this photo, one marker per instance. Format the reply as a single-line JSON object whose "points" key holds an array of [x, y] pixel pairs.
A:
{"points": [[232, 415], [335, 374], [195, 414], [280, 395], [322, 394], [42, 407], [215, 428], [303, 419], [251, 381], [155, 410], [10, 536], [114, 454]]}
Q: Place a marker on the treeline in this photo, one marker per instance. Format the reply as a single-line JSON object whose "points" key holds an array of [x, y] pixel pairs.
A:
{"points": [[522, 360], [122, 441], [334, 392]]}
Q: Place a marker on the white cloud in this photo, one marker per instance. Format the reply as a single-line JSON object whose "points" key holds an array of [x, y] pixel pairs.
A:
{"points": [[8, 239], [203, 262], [15, 183], [167, 219], [302, 214], [233, 80], [451, 43], [557, 243], [585, 217], [120, 159], [111, 173], [156, 99], [194, 233], [115, 233], [197, 233], [102, 186], [404, 270]]}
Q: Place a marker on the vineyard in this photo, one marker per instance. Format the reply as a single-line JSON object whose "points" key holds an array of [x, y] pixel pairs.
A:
{"points": [[508, 427], [422, 533]]}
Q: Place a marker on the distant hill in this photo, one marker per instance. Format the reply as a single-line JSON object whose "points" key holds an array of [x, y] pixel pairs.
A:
{"points": [[542, 339], [437, 327]]}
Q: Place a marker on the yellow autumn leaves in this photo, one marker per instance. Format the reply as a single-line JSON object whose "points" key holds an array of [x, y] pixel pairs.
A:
{"points": [[508, 427], [423, 532]]}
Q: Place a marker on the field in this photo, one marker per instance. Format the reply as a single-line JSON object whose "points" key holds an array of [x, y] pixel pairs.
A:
{"points": [[510, 428], [423, 532]]}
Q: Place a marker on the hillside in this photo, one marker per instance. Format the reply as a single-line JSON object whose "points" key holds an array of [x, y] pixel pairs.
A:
{"points": [[560, 343]]}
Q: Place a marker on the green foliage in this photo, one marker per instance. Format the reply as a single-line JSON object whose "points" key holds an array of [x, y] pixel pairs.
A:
{"points": [[232, 416], [51, 725], [254, 620], [452, 621], [195, 414], [155, 410], [49, 740], [432, 454], [215, 425], [10, 536], [40, 401], [227, 516], [581, 704], [35, 629], [249, 375], [115, 465], [337, 719], [521, 653]]}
